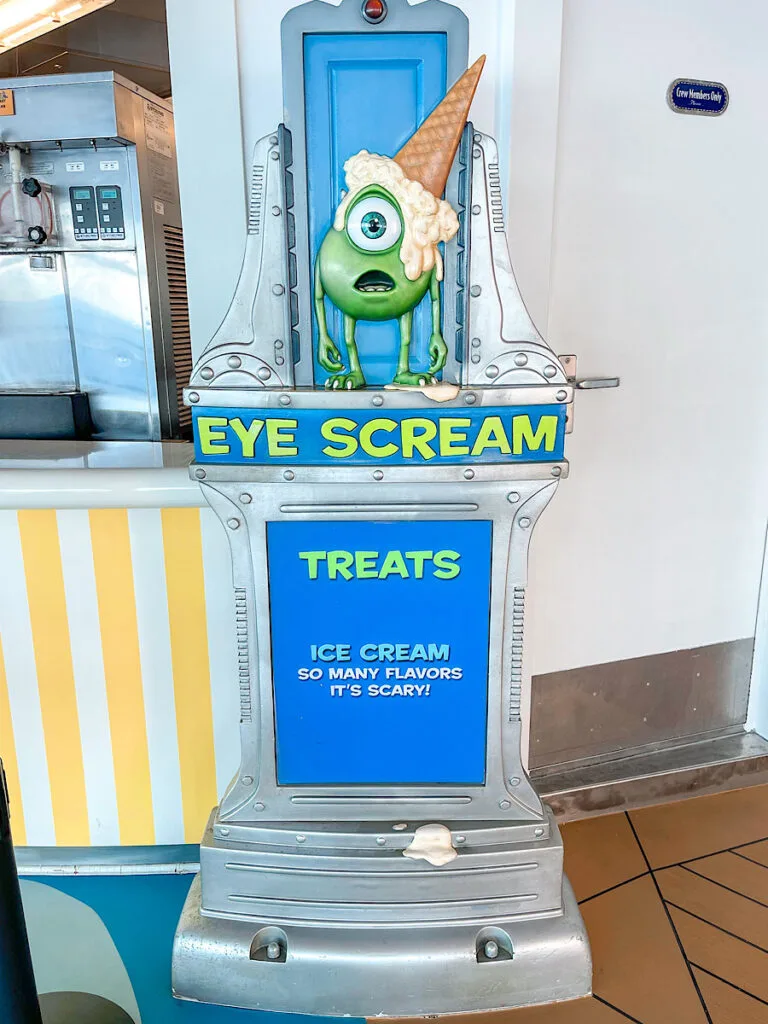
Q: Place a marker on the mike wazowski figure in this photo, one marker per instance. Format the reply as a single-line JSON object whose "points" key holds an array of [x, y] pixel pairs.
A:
{"points": [[381, 255]]}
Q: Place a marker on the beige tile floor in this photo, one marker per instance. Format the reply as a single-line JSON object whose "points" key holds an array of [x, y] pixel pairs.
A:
{"points": [[675, 900]]}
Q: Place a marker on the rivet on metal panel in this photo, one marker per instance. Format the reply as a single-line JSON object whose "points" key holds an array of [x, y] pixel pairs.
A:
{"points": [[470, 399], [235, 362], [504, 805], [476, 343], [492, 371], [521, 359], [459, 840], [285, 399], [264, 373], [557, 471], [477, 139], [513, 496], [200, 474], [222, 832], [475, 290], [524, 522], [288, 474], [233, 524], [476, 357], [476, 209], [476, 153], [206, 373], [273, 140], [258, 806], [194, 397], [469, 474], [275, 155], [278, 289], [378, 475], [274, 951], [491, 949], [538, 831], [514, 781], [549, 370], [301, 839], [279, 360], [278, 343], [247, 780], [377, 400], [400, 827], [246, 498], [380, 840], [276, 211], [561, 396]]}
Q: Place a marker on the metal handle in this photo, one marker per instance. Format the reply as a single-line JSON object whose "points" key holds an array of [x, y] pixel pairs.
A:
{"points": [[591, 383]]}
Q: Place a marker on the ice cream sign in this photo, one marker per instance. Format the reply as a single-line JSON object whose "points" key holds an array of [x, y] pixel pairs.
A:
{"points": [[399, 437], [383, 676]]}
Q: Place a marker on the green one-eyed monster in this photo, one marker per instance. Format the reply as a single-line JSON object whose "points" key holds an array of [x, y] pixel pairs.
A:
{"points": [[382, 255], [360, 270]]}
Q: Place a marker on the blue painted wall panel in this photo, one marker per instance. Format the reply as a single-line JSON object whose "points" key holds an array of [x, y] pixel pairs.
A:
{"points": [[371, 92]]}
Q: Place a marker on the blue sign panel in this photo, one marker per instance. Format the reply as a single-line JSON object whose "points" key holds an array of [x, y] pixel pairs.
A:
{"points": [[345, 77], [380, 651], [690, 96], [397, 437]]}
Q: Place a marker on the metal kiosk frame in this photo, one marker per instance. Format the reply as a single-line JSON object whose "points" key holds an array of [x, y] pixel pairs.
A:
{"points": [[305, 902]]}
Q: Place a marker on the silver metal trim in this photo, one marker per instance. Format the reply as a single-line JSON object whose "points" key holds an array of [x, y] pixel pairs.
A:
{"points": [[385, 398]]}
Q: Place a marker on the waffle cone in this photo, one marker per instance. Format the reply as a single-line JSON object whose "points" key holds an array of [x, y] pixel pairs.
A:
{"points": [[428, 155]]}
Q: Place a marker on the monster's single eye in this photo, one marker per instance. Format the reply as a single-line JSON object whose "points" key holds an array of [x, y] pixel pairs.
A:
{"points": [[374, 224]]}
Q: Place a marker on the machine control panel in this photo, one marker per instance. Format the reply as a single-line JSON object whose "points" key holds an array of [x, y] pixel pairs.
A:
{"points": [[84, 219], [110, 210], [97, 213]]}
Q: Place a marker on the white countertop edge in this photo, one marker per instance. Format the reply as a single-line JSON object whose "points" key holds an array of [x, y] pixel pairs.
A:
{"points": [[99, 488]]}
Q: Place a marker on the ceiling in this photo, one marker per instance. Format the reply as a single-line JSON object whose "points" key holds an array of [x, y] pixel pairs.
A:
{"points": [[128, 37]]}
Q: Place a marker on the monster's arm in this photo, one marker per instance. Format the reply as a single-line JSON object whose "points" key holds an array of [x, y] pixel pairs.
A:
{"points": [[438, 350], [328, 355]]}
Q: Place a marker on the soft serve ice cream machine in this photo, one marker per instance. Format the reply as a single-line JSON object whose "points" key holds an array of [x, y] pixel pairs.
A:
{"points": [[378, 426], [94, 333]]}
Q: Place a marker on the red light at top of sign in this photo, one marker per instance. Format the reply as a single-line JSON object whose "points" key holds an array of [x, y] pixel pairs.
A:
{"points": [[374, 10]]}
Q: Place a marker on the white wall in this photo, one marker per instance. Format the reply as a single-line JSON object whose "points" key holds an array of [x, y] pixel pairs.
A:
{"points": [[638, 239], [659, 275]]}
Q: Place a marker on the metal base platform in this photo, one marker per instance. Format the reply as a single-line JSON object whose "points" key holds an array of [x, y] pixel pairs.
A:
{"points": [[354, 929]]}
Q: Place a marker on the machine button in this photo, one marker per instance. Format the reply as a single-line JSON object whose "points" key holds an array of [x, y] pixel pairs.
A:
{"points": [[78, 206], [80, 220], [105, 216], [105, 206]]}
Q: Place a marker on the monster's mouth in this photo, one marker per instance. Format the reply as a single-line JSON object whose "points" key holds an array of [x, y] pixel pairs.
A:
{"points": [[374, 281]]}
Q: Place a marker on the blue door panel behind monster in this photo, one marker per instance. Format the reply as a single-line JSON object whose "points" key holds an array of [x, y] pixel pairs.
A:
{"points": [[366, 92]]}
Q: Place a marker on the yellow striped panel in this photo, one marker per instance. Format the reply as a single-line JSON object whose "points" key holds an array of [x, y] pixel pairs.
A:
{"points": [[8, 754], [55, 676], [182, 543], [122, 669]]}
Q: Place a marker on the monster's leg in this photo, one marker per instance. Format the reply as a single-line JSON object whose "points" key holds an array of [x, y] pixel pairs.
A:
{"points": [[404, 375], [355, 378], [404, 355]]}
